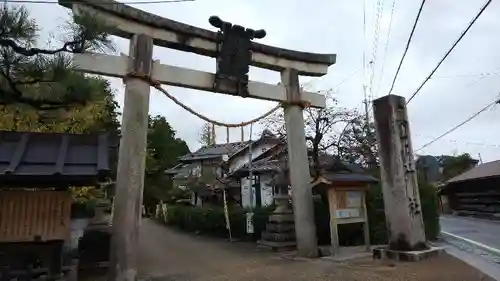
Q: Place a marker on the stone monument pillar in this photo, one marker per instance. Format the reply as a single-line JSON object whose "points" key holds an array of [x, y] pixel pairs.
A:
{"points": [[402, 205]]}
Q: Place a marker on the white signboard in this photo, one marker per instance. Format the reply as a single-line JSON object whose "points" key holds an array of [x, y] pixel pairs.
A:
{"points": [[347, 213], [249, 222], [354, 199]]}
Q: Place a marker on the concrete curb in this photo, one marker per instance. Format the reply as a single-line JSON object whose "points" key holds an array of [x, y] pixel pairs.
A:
{"points": [[446, 236], [470, 255], [497, 221]]}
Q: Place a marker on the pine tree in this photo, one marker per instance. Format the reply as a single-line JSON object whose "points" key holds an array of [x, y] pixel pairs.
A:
{"points": [[43, 78]]}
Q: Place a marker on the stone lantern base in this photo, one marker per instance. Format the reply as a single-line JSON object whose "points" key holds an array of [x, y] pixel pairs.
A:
{"points": [[280, 228]]}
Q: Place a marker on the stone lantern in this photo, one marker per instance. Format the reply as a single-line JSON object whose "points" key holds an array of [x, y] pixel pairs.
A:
{"points": [[280, 227]]}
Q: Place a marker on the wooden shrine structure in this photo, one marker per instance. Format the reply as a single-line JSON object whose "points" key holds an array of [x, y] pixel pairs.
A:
{"points": [[345, 186], [235, 51], [36, 170]]}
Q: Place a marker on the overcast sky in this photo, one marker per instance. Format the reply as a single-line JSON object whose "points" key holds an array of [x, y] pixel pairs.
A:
{"points": [[460, 87]]}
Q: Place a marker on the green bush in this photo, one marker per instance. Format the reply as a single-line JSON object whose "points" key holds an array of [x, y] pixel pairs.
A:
{"points": [[429, 201], [210, 220], [322, 220], [376, 214]]}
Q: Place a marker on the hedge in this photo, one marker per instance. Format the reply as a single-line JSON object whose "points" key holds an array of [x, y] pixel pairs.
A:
{"points": [[211, 220], [376, 214]]}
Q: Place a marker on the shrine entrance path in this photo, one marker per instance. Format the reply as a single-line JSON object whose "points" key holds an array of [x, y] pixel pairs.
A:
{"points": [[167, 254]]}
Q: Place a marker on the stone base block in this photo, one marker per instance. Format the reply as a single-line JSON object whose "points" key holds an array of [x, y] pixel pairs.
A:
{"points": [[280, 227], [281, 218], [277, 246], [385, 253], [277, 236]]}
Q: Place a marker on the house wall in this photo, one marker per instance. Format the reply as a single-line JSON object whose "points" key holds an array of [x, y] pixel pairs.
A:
{"points": [[257, 150], [266, 194], [196, 200], [266, 190]]}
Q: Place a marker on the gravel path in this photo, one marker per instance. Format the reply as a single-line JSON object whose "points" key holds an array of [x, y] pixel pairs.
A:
{"points": [[168, 254]]}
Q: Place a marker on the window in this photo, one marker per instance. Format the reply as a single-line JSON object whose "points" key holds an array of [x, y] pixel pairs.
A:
{"points": [[255, 179]]}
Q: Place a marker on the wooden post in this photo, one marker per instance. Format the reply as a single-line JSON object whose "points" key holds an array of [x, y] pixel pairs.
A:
{"points": [[334, 232], [399, 179], [131, 163], [366, 225], [300, 178]]}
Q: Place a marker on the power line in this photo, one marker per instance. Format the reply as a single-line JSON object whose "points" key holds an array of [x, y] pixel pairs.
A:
{"points": [[364, 45], [387, 40], [463, 142], [407, 44], [496, 101], [375, 43], [451, 49], [97, 2], [495, 72], [347, 78], [467, 75], [364, 59]]}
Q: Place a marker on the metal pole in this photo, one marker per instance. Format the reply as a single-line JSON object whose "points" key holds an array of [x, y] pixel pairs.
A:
{"points": [[250, 228], [226, 209], [250, 173]]}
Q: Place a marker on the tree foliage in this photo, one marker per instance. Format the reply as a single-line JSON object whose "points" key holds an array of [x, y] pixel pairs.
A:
{"points": [[42, 78], [164, 147], [99, 114], [455, 165], [164, 150]]}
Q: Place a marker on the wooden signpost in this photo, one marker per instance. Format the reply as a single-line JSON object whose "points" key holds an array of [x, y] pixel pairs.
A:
{"points": [[139, 72]]}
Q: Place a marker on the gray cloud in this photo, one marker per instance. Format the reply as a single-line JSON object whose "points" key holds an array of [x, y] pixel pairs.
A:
{"points": [[337, 27]]}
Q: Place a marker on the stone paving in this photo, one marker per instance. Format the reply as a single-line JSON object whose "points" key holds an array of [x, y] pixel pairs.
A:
{"points": [[168, 254]]}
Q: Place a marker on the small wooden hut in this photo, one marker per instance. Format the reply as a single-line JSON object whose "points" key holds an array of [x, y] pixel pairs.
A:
{"points": [[36, 170], [345, 186]]}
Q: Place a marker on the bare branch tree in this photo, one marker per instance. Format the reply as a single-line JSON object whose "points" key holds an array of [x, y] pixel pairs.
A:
{"points": [[321, 126], [206, 135]]}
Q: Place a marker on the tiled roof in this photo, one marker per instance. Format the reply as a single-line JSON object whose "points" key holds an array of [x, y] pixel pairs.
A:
{"points": [[231, 149], [184, 171], [486, 170], [52, 159], [332, 168], [348, 177], [207, 152], [174, 170]]}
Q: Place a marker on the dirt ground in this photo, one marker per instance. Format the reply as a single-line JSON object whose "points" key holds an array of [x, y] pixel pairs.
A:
{"points": [[168, 254]]}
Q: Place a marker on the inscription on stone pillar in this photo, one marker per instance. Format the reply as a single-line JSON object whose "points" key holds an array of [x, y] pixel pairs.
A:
{"points": [[408, 161]]}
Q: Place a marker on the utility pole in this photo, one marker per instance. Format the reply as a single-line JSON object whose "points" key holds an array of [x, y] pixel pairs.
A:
{"points": [[249, 215], [370, 158]]}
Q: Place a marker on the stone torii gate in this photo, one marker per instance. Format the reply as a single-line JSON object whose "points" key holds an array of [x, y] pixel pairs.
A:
{"points": [[145, 30]]}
